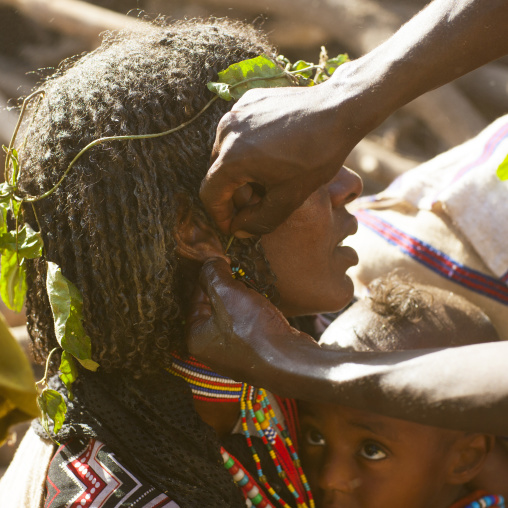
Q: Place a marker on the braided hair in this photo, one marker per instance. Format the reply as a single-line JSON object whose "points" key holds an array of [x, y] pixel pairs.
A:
{"points": [[109, 226]]}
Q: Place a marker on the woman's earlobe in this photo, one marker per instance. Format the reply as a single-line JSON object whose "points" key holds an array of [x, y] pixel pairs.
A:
{"points": [[470, 453], [195, 239]]}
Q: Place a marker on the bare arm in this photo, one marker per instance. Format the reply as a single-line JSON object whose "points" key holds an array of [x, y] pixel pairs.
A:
{"points": [[292, 140], [240, 334]]}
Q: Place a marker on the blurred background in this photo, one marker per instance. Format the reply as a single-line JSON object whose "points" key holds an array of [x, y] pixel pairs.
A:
{"points": [[36, 35]]}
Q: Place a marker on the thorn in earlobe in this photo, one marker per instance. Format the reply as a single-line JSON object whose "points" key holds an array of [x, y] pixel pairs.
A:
{"points": [[230, 241]]}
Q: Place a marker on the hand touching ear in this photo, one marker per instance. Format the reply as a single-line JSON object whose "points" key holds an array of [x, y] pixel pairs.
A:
{"points": [[230, 325]]}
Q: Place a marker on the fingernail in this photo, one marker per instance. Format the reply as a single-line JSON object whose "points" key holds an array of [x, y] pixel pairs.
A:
{"points": [[243, 234]]}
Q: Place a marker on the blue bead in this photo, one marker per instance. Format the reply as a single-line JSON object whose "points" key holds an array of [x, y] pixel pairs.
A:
{"points": [[243, 481]]}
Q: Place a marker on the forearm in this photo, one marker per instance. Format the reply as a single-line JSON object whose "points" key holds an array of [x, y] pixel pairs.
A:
{"points": [[441, 43], [463, 388]]}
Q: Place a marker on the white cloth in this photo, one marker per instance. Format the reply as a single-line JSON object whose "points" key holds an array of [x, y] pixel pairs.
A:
{"points": [[463, 183], [23, 484]]}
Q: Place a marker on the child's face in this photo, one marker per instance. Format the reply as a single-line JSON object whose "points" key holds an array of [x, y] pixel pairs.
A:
{"points": [[357, 459], [306, 254]]}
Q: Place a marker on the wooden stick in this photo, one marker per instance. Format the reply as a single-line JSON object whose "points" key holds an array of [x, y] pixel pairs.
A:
{"points": [[73, 17]]}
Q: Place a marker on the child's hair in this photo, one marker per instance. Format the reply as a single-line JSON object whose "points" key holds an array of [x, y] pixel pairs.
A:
{"points": [[109, 226], [435, 318]]}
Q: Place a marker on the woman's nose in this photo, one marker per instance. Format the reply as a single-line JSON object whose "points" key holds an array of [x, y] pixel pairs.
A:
{"points": [[339, 475], [345, 187]]}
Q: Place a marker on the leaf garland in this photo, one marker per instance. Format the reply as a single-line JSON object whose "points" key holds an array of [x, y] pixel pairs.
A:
{"points": [[264, 72], [22, 242]]}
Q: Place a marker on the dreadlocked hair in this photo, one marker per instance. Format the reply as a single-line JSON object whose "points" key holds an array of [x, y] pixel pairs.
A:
{"points": [[109, 226], [397, 299]]}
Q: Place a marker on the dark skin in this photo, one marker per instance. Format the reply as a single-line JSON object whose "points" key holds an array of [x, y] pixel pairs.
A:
{"points": [[228, 330], [266, 136]]}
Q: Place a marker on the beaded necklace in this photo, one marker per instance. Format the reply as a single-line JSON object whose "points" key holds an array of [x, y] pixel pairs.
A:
{"points": [[483, 502], [265, 423], [205, 383], [210, 386], [480, 499]]}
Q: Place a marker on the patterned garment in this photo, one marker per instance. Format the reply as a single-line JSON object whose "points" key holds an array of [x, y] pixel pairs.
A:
{"points": [[88, 475]]}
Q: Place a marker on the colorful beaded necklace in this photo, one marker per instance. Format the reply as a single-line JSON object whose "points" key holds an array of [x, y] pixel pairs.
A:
{"points": [[210, 386], [485, 501], [205, 383], [480, 499], [255, 403]]}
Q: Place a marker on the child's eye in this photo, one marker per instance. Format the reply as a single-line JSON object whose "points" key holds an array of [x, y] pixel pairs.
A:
{"points": [[372, 451], [314, 437]]}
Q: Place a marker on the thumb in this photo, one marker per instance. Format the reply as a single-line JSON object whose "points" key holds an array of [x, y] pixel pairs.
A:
{"points": [[265, 215]]}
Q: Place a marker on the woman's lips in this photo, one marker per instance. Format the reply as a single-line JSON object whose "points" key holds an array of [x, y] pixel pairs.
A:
{"points": [[348, 253]]}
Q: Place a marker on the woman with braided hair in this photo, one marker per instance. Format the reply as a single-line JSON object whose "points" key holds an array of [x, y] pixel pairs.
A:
{"points": [[154, 427], [127, 227]]}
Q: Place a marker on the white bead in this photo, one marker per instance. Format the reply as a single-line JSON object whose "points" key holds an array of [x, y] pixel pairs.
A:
{"points": [[253, 492]]}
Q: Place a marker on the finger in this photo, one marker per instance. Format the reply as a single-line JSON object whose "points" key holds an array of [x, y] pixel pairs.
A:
{"points": [[264, 216], [216, 193], [200, 308], [216, 277]]}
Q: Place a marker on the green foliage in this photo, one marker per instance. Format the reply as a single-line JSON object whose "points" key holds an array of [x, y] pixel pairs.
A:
{"points": [[502, 170], [26, 242], [263, 72], [259, 72], [52, 406], [68, 372], [12, 281], [302, 68], [67, 306]]}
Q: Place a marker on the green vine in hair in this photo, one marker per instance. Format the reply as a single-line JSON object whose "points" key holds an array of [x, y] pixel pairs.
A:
{"points": [[22, 242]]}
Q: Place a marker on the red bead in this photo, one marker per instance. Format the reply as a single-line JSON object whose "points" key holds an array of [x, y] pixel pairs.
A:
{"points": [[248, 486], [234, 469]]}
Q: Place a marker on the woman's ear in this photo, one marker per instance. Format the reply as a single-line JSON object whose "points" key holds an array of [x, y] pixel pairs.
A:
{"points": [[469, 453], [195, 239]]}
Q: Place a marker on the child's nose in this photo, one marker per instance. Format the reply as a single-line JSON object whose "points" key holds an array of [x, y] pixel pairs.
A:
{"points": [[340, 475], [345, 187]]}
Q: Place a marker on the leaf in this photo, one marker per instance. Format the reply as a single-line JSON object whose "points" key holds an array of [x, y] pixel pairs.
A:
{"points": [[332, 63], [52, 406], [331, 66], [502, 170], [29, 242], [4, 208], [68, 372], [264, 72], [67, 305], [221, 89], [12, 281], [302, 64]]}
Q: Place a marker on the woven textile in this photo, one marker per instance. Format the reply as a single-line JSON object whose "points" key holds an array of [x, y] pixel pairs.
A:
{"points": [[155, 432]]}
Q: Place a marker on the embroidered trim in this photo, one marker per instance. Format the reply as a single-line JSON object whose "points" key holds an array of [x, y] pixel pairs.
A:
{"points": [[434, 259]]}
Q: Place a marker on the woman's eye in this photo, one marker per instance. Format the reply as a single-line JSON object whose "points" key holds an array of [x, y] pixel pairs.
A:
{"points": [[314, 438], [372, 451]]}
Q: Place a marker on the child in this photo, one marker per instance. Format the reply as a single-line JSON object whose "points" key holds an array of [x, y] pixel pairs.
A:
{"points": [[358, 459]]}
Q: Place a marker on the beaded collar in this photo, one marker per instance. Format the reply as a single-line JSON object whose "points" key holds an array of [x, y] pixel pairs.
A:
{"points": [[206, 384], [480, 499]]}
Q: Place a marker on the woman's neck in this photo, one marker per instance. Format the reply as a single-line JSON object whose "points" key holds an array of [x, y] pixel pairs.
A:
{"points": [[221, 416]]}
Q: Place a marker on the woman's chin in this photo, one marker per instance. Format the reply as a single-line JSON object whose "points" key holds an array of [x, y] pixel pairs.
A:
{"points": [[324, 303]]}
